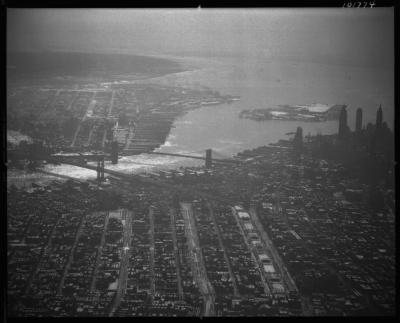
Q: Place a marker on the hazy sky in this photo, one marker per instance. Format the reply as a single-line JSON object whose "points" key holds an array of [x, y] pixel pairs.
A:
{"points": [[350, 36]]}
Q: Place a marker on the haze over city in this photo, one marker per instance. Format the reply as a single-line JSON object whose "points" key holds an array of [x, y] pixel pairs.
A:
{"points": [[339, 36], [200, 162]]}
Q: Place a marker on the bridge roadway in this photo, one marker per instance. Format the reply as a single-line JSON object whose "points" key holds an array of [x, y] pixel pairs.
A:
{"points": [[106, 171], [107, 156], [127, 177], [137, 178], [67, 160], [232, 161]]}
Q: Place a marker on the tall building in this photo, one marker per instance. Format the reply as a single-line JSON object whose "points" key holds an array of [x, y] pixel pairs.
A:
{"points": [[343, 128], [379, 117], [358, 120], [298, 140]]}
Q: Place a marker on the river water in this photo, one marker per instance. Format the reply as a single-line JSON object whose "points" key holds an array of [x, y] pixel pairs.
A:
{"points": [[260, 83]]}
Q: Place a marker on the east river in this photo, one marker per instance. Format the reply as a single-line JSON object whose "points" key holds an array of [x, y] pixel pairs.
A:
{"points": [[260, 83]]}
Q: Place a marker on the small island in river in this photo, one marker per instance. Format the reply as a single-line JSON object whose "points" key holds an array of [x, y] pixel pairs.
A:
{"points": [[314, 112]]}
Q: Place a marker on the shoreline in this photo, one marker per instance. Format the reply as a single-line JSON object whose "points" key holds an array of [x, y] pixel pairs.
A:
{"points": [[47, 178]]}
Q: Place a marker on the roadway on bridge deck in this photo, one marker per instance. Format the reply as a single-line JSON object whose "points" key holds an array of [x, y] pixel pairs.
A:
{"points": [[218, 160]]}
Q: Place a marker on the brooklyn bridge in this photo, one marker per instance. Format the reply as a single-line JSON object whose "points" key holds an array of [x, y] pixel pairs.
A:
{"points": [[88, 160], [80, 160]]}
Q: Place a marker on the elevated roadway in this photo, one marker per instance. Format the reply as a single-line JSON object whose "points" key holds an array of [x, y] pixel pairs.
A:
{"points": [[217, 160]]}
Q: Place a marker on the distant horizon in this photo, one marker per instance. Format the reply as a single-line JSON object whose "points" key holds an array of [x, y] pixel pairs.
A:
{"points": [[333, 35], [188, 55]]}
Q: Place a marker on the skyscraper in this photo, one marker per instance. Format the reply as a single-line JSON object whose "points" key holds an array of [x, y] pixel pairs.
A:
{"points": [[343, 128], [358, 120], [298, 140], [379, 117]]}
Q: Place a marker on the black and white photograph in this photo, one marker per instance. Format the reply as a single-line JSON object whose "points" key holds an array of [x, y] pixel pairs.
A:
{"points": [[200, 162]]}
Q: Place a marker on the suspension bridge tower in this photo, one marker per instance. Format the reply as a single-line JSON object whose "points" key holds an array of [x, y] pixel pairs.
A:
{"points": [[114, 152], [208, 158], [100, 169]]}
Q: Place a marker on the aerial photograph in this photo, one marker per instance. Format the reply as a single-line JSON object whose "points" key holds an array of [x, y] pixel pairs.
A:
{"points": [[224, 162]]}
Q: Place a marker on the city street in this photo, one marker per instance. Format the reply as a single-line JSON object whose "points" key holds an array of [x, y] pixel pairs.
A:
{"points": [[199, 270], [287, 279], [152, 274], [99, 251], [267, 289], [71, 255], [125, 253], [231, 275], [178, 267]]}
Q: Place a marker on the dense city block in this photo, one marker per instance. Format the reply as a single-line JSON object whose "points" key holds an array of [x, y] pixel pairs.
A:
{"points": [[285, 232]]}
